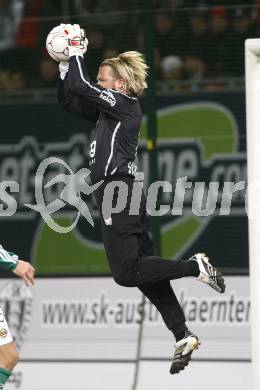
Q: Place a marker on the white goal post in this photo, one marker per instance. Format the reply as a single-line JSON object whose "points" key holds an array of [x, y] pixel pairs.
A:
{"points": [[252, 60]]}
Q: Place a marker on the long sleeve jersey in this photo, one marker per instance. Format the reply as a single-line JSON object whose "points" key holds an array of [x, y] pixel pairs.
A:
{"points": [[8, 260], [118, 116]]}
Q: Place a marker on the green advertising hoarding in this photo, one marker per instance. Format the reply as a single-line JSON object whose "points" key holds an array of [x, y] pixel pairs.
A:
{"points": [[201, 138]]}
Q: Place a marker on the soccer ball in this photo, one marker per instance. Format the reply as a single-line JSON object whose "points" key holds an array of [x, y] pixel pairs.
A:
{"points": [[57, 44]]}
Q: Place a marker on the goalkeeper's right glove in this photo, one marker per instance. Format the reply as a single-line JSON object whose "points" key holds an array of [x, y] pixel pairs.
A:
{"points": [[77, 40]]}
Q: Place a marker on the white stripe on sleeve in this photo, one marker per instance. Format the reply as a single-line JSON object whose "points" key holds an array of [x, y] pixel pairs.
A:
{"points": [[83, 78], [112, 147]]}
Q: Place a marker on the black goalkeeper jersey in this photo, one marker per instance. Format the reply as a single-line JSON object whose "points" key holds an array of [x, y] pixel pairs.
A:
{"points": [[114, 141]]}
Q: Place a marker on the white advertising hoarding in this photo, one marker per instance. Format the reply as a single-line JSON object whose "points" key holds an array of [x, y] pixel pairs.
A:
{"points": [[92, 322]]}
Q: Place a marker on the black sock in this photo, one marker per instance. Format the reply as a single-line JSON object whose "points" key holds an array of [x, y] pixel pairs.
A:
{"points": [[184, 333], [195, 271], [180, 336]]}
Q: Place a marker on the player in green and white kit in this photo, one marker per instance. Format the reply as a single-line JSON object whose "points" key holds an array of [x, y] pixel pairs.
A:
{"points": [[8, 352]]}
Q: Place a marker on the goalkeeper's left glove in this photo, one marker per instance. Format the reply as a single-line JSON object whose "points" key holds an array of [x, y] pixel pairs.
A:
{"points": [[77, 40]]}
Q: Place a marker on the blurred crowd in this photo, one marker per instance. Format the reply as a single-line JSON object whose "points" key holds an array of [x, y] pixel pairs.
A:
{"points": [[194, 40]]}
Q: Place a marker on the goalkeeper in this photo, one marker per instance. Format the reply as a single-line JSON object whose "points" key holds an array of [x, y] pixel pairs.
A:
{"points": [[112, 103], [8, 351]]}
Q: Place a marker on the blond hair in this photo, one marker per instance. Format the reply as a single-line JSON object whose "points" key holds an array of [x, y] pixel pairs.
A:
{"points": [[131, 67]]}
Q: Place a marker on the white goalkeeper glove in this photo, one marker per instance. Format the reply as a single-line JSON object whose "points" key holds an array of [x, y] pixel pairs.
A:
{"points": [[77, 41]]}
